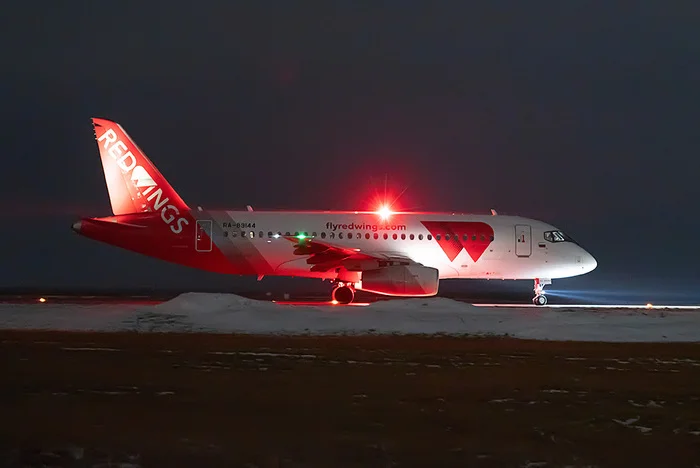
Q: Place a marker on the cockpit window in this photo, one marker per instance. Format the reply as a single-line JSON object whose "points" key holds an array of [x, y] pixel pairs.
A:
{"points": [[558, 236]]}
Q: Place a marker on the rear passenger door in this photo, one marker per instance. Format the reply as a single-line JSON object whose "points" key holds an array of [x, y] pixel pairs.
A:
{"points": [[202, 240]]}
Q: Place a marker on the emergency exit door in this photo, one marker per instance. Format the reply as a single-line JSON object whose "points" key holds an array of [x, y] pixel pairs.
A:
{"points": [[523, 240], [202, 240]]}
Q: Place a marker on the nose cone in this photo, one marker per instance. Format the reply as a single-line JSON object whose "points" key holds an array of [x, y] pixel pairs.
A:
{"points": [[76, 226], [589, 263]]}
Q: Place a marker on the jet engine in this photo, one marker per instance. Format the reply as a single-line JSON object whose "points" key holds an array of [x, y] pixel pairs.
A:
{"points": [[401, 280]]}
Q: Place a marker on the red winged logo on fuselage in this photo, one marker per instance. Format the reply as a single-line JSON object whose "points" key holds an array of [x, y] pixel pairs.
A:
{"points": [[453, 236]]}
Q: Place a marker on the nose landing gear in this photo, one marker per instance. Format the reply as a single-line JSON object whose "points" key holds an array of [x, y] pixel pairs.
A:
{"points": [[540, 299], [343, 293]]}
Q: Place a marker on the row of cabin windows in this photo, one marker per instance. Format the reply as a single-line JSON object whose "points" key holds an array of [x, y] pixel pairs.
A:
{"points": [[350, 235]]}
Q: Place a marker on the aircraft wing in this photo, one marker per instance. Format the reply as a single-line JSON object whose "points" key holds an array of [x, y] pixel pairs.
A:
{"points": [[325, 256]]}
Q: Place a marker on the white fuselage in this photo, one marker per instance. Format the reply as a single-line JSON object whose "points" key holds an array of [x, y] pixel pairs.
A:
{"points": [[518, 248]]}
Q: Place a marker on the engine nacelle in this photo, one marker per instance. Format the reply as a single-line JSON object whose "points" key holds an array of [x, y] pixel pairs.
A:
{"points": [[401, 280]]}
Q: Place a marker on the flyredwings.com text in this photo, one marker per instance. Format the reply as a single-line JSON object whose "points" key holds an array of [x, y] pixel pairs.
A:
{"points": [[365, 227]]}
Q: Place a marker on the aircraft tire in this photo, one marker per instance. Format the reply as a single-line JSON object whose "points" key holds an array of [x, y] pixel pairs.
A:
{"points": [[343, 295]]}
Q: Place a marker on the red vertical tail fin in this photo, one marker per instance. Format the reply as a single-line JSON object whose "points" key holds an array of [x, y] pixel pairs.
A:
{"points": [[133, 182]]}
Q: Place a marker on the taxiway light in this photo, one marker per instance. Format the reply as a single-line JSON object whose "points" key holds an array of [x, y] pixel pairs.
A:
{"points": [[42, 299], [649, 305], [334, 302]]}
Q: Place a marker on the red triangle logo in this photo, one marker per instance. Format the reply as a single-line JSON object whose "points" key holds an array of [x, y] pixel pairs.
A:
{"points": [[453, 236]]}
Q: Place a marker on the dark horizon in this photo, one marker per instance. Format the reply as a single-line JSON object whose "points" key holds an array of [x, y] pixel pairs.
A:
{"points": [[583, 117]]}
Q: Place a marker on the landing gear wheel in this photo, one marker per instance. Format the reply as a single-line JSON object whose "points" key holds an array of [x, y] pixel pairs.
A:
{"points": [[343, 294], [540, 299]]}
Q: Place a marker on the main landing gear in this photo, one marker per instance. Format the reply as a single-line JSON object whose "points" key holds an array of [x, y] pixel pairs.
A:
{"points": [[343, 293], [540, 299]]}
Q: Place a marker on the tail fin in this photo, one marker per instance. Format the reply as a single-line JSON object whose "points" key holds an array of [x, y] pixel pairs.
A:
{"points": [[133, 182]]}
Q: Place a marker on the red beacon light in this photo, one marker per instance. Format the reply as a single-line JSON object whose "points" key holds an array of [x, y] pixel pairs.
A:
{"points": [[384, 212]]}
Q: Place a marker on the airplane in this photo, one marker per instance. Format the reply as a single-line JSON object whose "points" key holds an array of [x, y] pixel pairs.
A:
{"points": [[403, 254]]}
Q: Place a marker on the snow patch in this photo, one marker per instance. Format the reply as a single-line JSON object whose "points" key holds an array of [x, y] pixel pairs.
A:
{"points": [[630, 423], [229, 313]]}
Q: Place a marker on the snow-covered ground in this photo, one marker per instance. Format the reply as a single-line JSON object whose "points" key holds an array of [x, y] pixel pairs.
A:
{"points": [[228, 313]]}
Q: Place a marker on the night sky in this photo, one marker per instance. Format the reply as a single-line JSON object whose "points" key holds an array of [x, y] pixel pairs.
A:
{"points": [[582, 114]]}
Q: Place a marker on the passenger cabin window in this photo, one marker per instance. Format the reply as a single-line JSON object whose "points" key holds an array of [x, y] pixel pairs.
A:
{"points": [[420, 236], [323, 235]]}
